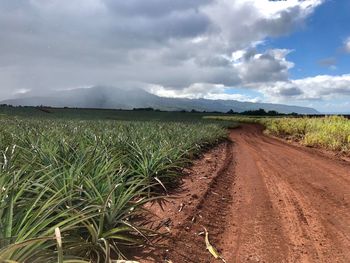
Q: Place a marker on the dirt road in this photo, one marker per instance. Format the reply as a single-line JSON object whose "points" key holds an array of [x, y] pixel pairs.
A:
{"points": [[268, 201]]}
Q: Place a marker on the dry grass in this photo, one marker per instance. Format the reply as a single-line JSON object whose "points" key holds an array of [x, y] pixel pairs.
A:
{"points": [[332, 133]]}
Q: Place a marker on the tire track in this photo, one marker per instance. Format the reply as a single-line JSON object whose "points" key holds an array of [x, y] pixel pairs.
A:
{"points": [[267, 202], [308, 197]]}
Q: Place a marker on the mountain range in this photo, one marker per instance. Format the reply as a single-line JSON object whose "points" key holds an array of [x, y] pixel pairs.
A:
{"points": [[118, 98]]}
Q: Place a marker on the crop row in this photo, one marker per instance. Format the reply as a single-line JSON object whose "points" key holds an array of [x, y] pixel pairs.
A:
{"points": [[73, 191]]}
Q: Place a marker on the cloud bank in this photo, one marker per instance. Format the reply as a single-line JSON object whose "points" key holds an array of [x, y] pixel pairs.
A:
{"points": [[182, 48]]}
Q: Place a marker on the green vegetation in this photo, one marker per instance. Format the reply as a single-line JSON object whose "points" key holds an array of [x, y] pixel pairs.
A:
{"points": [[332, 133], [261, 112], [73, 190], [102, 114]]}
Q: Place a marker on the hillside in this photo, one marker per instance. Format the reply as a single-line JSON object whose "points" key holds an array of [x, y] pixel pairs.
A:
{"points": [[117, 98]]}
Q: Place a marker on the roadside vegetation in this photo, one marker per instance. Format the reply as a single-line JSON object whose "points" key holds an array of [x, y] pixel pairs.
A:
{"points": [[73, 191], [331, 133]]}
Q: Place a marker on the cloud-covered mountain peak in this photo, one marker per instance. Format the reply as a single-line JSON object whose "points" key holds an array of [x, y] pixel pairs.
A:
{"points": [[129, 98]]}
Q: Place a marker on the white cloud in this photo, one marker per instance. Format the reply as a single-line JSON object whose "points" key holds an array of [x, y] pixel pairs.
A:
{"points": [[273, 8], [21, 91], [239, 24], [322, 87], [194, 91], [347, 45], [256, 67], [200, 90], [248, 68]]}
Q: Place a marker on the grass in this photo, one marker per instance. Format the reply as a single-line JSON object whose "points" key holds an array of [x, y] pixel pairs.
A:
{"points": [[73, 190], [331, 133]]}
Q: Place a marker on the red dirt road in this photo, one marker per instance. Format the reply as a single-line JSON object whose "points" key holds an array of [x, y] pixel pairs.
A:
{"points": [[289, 205], [267, 201]]}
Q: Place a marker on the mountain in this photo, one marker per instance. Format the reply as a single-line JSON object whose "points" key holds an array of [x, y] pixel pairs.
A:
{"points": [[117, 98]]}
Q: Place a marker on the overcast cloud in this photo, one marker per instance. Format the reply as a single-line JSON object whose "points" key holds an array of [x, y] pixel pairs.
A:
{"points": [[182, 48]]}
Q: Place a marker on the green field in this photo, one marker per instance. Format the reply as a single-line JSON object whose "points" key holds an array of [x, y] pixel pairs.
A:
{"points": [[73, 182], [101, 114], [80, 178], [331, 133]]}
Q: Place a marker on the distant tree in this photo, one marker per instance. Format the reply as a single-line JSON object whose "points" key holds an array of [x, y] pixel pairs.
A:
{"points": [[143, 109], [294, 114], [273, 113], [259, 112], [231, 112]]}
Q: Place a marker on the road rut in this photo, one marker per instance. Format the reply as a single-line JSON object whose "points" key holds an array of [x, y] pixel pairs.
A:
{"points": [[269, 202], [289, 204]]}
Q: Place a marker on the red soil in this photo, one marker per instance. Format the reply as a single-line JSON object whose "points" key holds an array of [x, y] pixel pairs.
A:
{"points": [[262, 200]]}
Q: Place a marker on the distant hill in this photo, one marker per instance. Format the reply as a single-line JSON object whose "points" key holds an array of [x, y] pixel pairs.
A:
{"points": [[117, 98]]}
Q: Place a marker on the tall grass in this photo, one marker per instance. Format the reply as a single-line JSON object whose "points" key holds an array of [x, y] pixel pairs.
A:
{"points": [[72, 191], [332, 133]]}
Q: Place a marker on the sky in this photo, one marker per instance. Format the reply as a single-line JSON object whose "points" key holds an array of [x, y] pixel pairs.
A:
{"points": [[293, 52]]}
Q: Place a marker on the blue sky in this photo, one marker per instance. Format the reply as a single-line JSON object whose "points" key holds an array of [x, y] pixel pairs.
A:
{"points": [[322, 37], [290, 51]]}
